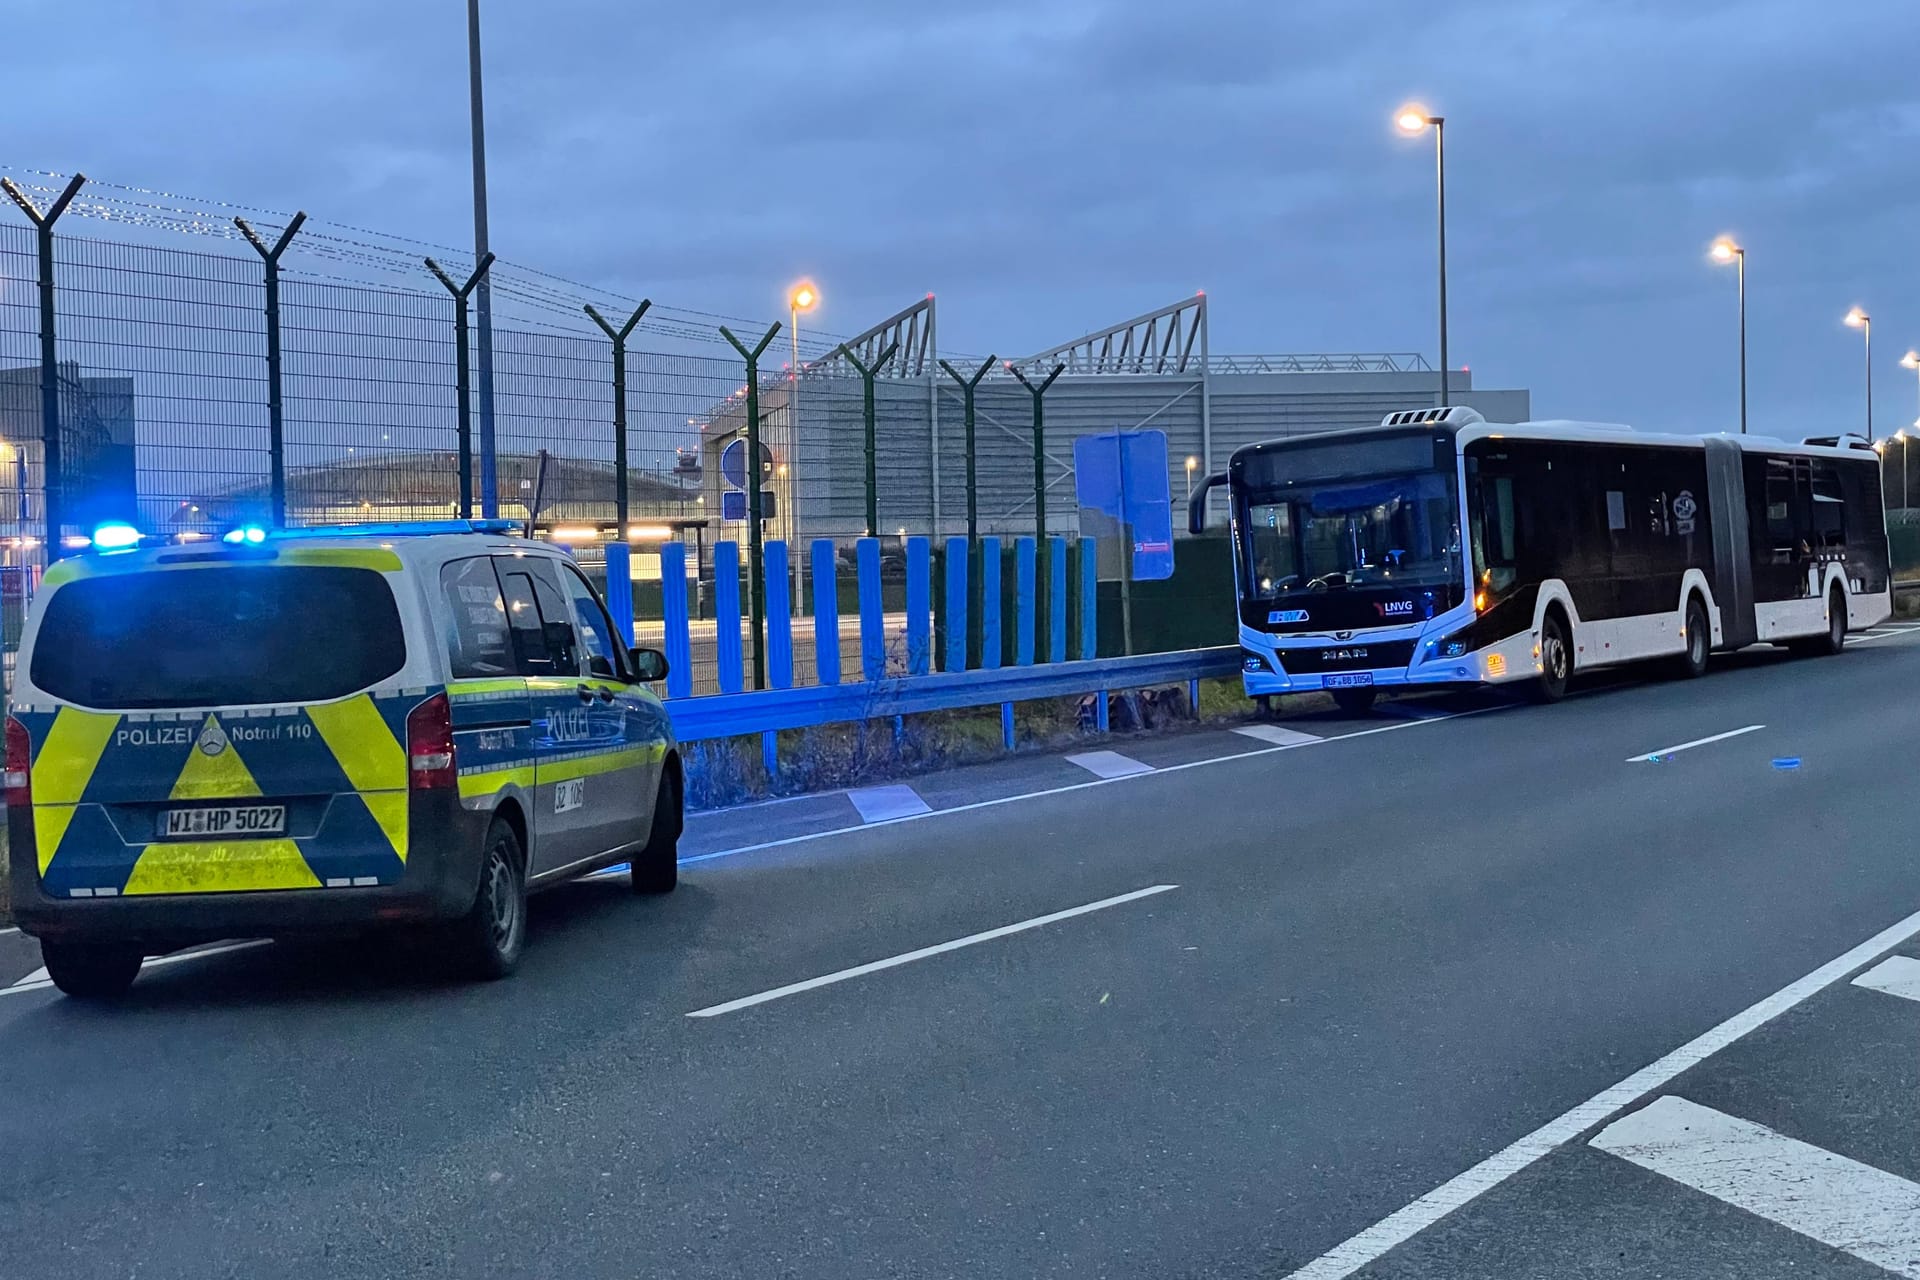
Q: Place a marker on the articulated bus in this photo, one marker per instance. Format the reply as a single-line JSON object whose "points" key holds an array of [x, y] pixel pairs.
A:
{"points": [[1439, 549]]}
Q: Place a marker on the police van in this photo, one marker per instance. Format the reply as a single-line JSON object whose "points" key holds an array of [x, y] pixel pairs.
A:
{"points": [[324, 730]]}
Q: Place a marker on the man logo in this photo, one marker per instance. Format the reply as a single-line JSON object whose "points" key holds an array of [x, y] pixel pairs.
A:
{"points": [[1394, 608], [213, 739]]}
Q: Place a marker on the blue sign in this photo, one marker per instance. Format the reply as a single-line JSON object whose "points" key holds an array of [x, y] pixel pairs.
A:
{"points": [[733, 505], [1123, 474], [733, 464]]}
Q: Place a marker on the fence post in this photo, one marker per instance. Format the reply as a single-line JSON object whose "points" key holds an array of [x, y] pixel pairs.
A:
{"points": [[826, 612], [1023, 610], [990, 652], [51, 481], [1089, 598], [1040, 473], [919, 604], [873, 623], [779, 617], [462, 376], [967, 388], [276, 417], [1056, 599], [673, 612], [619, 337], [866, 409], [756, 566], [726, 614], [958, 551]]}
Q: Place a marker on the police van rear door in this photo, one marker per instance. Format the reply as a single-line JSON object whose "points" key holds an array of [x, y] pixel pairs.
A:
{"points": [[208, 724]]}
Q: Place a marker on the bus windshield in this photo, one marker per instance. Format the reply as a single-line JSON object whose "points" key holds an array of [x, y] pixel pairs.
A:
{"points": [[1389, 530]]}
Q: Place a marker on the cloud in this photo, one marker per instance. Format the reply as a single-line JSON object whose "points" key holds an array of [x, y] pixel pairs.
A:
{"points": [[1050, 167]]}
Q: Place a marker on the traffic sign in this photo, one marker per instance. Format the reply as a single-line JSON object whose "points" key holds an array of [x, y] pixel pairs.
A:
{"points": [[733, 464]]}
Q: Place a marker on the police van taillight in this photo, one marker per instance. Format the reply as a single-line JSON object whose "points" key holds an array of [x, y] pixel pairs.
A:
{"points": [[19, 764], [430, 765]]}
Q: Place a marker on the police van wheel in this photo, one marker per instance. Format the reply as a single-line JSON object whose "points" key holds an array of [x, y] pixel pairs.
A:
{"points": [[486, 942], [656, 868], [90, 971], [1355, 701]]}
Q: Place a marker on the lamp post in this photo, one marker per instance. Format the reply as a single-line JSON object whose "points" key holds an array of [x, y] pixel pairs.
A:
{"points": [[483, 298], [1414, 120], [1725, 249], [802, 297], [1858, 319], [1193, 464]]}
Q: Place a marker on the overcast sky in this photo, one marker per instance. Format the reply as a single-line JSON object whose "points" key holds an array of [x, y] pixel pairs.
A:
{"points": [[1051, 166]]}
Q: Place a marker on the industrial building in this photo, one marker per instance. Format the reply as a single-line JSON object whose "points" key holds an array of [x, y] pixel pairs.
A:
{"points": [[1155, 371]]}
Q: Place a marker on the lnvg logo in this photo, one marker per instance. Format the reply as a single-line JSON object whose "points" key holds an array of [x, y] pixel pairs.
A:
{"points": [[1394, 608]]}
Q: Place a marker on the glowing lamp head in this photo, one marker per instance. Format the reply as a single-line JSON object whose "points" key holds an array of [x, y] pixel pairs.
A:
{"points": [[1857, 318], [115, 535], [1193, 464], [1911, 360], [1412, 118], [803, 297], [1724, 249]]}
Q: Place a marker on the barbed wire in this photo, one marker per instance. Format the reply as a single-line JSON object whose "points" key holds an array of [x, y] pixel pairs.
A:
{"points": [[380, 254]]}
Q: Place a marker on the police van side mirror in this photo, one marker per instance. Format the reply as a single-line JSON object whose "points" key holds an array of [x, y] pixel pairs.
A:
{"points": [[649, 665]]}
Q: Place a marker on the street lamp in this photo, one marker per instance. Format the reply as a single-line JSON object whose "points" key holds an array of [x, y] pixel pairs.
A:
{"points": [[1193, 465], [1726, 250], [1413, 120], [1901, 436], [1858, 319]]}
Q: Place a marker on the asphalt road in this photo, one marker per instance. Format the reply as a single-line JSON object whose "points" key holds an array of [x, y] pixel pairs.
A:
{"points": [[1375, 955]]}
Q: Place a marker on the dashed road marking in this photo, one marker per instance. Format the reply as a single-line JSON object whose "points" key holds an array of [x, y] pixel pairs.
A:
{"points": [[891, 962], [1276, 734], [885, 804], [1896, 975], [1867, 1212], [1108, 764], [1664, 752]]}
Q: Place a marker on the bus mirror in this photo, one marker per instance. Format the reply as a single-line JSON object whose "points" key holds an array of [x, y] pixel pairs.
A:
{"points": [[1197, 503]]}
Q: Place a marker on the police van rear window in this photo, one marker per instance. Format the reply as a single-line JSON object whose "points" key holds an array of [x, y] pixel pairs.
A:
{"points": [[218, 637]]}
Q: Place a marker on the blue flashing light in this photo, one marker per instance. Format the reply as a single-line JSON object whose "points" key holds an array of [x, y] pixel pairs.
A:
{"points": [[250, 535], [115, 535]]}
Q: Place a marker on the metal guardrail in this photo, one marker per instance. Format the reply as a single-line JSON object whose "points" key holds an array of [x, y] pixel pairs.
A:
{"points": [[731, 715]]}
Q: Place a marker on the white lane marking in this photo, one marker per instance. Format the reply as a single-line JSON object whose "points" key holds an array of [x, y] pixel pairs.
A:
{"points": [[1873, 637], [1856, 1208], [1697, 742], [1276, 734], [1896, 975], [1109, 764], [1348, 1257], [1162, 772], [158, 962], [12, 929], [972, 939], [38, 975], [888, 804]]}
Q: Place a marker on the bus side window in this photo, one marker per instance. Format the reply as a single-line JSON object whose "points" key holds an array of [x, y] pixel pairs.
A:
{"points": [[1497, 552], [1829, 507]]}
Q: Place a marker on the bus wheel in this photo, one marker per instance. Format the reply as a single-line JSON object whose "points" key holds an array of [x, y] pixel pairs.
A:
{"points": [[1355, 701], [91, 971], [1836, 637], [1693, 663], [1556, 661]]}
